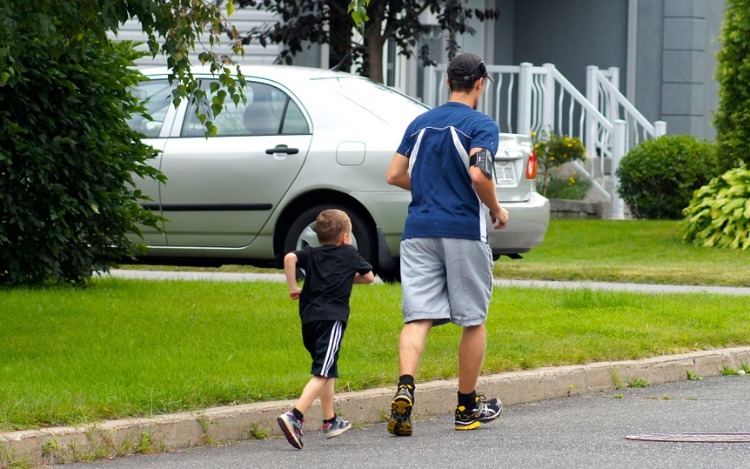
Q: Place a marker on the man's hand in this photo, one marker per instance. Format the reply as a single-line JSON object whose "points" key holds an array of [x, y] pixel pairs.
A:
{"points": [[499, 219], [294, 293]]}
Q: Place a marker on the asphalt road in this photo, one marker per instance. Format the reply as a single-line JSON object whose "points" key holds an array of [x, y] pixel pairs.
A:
{"points": [[576, 432]]}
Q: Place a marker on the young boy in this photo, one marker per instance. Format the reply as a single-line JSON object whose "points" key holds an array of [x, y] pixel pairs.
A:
{"points": [[330, 272]]}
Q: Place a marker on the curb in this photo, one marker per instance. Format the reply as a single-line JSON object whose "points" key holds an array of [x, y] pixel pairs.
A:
{"points": [[222, 424]]}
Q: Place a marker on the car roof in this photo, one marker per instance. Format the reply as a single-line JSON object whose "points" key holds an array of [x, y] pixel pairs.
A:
{"points": [[279, 73]]}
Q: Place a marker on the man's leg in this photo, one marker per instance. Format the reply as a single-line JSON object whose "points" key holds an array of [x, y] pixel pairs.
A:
{"points": [[473, 410], [411, 345], [470, 357]]}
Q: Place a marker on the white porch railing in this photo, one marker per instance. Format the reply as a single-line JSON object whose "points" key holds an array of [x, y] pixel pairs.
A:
{"points": [[528, 98]]}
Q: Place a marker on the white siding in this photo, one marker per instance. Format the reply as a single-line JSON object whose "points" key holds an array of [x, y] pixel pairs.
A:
{"points": [[244, 19]]}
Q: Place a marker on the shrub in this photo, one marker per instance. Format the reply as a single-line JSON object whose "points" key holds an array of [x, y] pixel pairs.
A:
{"points": [[658, 177], [67, 160], [719, 214], [732, 117], [572, 187], [553, 151]]}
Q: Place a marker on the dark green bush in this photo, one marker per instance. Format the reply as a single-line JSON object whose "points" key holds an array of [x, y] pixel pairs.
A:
{"points": [[658, 177], [719, 214], [732, 117], [67, 157]]}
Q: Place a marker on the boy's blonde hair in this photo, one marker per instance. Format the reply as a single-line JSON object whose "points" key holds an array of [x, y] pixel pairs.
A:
{"points": [[331, 224]]}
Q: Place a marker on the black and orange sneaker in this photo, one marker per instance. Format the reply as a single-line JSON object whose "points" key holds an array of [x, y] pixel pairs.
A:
{"points": [[484, 411], [400, 421]]}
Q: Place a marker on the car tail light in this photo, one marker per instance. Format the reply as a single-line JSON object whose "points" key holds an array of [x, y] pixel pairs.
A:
{"points": [[531, 166]]}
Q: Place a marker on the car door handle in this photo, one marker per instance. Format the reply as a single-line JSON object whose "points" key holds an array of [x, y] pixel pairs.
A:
{"points": [[282, 149]]}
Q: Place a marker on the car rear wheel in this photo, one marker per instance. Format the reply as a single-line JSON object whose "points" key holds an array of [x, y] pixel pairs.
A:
{"points": [[302, 232]]}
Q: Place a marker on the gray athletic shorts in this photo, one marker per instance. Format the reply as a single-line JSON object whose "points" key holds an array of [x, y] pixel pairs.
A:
{"points": [[446, 280]]}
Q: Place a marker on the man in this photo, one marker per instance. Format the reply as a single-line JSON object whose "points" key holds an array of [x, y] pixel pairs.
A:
{"points": [[445, 159]]}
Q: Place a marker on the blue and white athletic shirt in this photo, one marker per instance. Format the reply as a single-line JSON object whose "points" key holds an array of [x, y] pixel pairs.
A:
{"points": [[443, 201]]}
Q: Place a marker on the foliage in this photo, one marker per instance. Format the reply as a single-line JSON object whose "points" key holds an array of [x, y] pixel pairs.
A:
{"points": [[553, 151], [358, 11], [572, 187], [658, 177], [719, 213], [732, 118], [66, 200], [174, 28], [67, 157], [326, 22]]}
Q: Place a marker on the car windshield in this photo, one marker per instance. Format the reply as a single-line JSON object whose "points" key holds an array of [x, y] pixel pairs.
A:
{"points": [[378, 99]]}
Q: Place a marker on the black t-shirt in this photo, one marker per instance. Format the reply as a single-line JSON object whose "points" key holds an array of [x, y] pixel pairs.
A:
{"points": [[329, 277]]}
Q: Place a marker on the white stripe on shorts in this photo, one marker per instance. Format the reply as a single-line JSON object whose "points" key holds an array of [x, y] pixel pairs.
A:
{"points": [[333, 346]]}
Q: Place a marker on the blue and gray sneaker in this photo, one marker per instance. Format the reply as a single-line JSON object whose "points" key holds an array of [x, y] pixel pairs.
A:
{"points": [[292, 428], [484, 411], [400, 421], [336, 428]]}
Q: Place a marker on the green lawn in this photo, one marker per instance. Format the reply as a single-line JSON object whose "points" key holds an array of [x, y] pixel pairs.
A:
{"points": [[138, 348], [626, 251]]}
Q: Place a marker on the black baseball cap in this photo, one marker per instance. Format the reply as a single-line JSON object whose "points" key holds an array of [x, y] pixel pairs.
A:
{"points": [[468, 67]]}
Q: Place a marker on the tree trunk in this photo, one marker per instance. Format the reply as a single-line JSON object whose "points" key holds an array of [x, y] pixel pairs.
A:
{"points": [[375, 41]]}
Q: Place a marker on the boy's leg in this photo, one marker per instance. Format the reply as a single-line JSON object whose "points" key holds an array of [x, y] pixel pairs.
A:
{"points": [[333, 425], [314, 388], [322, 339], [326, 399]]}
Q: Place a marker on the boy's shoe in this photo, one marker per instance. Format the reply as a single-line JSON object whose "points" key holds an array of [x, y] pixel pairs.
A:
{"points": [[336, 428], [292, 428], [483, 411], [400, 421]]}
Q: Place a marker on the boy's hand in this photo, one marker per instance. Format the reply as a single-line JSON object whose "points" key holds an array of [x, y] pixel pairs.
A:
{"points": [[294, 293]]}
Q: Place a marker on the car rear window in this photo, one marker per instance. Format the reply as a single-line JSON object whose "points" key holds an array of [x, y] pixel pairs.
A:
{"points": [[374, 97]]}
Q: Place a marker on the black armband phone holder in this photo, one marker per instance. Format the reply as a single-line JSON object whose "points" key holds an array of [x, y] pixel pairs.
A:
{"points": [[483, 160]]}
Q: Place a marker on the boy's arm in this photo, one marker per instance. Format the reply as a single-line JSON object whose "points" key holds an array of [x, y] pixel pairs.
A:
{"points": [[290, 270], [369, 277]]}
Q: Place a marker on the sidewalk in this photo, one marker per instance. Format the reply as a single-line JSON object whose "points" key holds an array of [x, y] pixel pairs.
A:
{"points": [[632, 287], [241, 422]]}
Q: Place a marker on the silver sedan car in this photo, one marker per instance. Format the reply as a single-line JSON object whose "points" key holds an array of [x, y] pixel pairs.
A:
{"points": [[307, 139]]}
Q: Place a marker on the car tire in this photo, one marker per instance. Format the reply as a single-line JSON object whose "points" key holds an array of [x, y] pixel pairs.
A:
{"points": [[302, 232], [391, 275]]}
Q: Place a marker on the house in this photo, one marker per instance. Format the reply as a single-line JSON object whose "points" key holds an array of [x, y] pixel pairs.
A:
{"points": [[665, 50], [611, 72]]}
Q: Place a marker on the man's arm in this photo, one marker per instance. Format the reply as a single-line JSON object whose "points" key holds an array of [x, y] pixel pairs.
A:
{"points": [[398, 172], [485, 189]]}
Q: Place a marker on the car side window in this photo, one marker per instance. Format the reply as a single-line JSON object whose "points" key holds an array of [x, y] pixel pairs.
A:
{"points": [[157, 97], [268, 111]]}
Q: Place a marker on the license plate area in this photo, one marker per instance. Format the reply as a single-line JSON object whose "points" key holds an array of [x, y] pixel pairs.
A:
{"points": [[505, 173]]}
